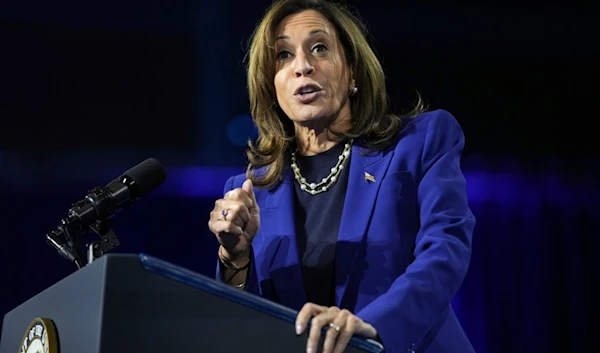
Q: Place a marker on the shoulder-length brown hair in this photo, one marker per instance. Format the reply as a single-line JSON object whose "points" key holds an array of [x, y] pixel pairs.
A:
{"points": [[373, 124]]}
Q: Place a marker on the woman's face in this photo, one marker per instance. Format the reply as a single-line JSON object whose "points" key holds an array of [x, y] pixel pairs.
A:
{"points": [[312, 79]]}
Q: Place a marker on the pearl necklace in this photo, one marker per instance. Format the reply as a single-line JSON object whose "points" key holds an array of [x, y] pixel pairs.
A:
{"points": [[325, 183]]}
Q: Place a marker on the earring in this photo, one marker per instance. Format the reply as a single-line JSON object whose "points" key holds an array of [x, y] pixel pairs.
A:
{"points": [[353, 91]]}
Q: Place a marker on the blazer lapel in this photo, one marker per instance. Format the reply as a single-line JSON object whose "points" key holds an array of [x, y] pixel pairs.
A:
{"points": [[364, 180], [280, 246]]}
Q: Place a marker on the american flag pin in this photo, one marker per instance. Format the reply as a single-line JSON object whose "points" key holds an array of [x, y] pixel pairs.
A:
{"points": [[369, 178]]}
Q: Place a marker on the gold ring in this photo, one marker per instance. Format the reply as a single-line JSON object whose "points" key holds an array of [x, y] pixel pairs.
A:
{"points": [[335, 327]]}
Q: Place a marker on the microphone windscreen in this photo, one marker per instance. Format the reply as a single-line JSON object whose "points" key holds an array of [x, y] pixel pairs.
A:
{"points": [[146, 176]]}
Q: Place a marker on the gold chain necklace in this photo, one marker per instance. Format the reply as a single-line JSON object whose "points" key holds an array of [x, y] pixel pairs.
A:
{"points": [[325, 183]]}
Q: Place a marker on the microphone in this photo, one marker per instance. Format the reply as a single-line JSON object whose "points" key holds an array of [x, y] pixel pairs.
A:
{"points": [[99, 205]]}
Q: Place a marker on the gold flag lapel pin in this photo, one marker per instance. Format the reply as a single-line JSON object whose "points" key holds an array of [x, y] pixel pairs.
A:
{"points": [[369, 178]]}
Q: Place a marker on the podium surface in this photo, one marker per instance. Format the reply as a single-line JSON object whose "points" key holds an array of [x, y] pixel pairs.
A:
{"points": [[138, 303]]}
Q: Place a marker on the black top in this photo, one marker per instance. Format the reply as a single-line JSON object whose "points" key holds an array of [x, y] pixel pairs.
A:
{"points": [[317, 223]]}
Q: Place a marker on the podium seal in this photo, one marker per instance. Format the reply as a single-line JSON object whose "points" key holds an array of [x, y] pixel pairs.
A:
{"points": [[40, 337]]}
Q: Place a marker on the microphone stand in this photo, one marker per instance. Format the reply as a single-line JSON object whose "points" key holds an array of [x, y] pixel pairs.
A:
{"points": [[66, 239], [108, 240]]}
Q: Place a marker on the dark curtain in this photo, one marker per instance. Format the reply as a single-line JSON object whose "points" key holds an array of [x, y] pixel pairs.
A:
{"points": [[526, 290]]}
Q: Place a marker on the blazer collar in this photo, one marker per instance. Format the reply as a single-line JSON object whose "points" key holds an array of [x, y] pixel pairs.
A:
{"points": [[366, 173]]}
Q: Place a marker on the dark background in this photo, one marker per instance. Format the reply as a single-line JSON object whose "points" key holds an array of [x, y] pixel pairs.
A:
{"points": [[89, 89]]}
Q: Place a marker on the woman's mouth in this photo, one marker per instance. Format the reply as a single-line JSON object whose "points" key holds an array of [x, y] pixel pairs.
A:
{"points": [[308, 93]]}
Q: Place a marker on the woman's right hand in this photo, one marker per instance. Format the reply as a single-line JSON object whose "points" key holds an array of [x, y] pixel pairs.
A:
{"points": [[235, 221]]}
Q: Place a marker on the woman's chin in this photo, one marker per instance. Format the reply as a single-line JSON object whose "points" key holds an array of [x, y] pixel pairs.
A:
{"points": [[308, 116]]}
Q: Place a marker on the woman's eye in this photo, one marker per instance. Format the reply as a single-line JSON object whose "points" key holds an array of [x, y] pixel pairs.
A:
{"points": [[319, 48], [284, 54]]}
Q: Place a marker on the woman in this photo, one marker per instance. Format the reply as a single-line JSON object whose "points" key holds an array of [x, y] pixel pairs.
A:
{"points": [[350, 214]]}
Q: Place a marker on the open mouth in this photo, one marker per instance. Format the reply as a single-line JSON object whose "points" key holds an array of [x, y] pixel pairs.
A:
{"points": [[307, 90]]}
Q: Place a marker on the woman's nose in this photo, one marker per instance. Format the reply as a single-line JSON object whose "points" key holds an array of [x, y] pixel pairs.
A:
{"points": [[302, 65]]}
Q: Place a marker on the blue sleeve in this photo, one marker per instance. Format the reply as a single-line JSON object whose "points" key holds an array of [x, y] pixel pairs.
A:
{"points": [[252, 283], [410, 308]]}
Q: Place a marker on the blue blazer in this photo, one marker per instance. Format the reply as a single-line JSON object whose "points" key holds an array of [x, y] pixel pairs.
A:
{"points": [[404, 242]]}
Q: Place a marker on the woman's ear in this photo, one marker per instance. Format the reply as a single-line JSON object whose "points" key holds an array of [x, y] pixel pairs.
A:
{"points": [[352, 89], [351, 80]]}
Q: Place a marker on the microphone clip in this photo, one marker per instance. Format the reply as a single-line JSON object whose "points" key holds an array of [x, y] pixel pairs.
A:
{"points": [[66, 239], [107, 240]]}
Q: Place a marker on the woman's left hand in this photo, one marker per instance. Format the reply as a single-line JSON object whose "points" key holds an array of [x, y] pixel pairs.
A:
{"points": [[342, 325]]}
